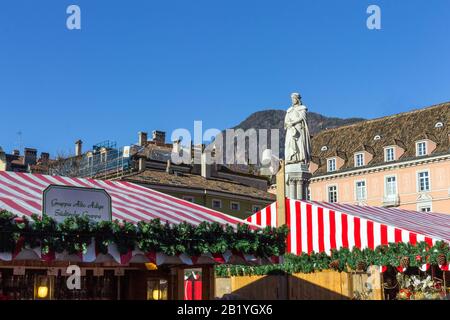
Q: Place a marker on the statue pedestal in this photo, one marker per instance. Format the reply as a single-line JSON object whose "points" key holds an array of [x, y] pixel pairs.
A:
{"points": [[297, 178]]}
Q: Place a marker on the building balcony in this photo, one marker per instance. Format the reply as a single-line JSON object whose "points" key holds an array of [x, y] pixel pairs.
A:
{"points": [[391, 201]]}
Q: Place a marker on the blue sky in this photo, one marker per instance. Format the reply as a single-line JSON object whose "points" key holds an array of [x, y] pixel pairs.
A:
{"points": [[144, 65]]}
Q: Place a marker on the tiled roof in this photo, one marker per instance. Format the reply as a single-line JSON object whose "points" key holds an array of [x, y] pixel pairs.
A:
{"points": [[193, 181], [402, 129]]}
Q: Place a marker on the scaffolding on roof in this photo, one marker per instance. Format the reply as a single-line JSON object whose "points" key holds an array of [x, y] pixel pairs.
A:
{"points": [[105, 160], [107, 144]]}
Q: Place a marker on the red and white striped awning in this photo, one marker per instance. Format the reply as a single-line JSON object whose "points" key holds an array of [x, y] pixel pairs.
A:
{"points": [[21, 194], [320, 227]]}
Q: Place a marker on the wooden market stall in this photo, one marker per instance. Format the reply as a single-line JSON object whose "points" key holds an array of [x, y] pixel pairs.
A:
{"points": [[321, 226], [136, 243], [370, 244]]}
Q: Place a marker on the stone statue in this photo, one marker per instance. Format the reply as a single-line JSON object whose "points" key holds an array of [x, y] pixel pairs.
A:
{"points": [[298, 141]]}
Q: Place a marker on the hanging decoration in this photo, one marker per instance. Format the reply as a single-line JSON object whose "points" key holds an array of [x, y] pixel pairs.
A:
{"points": [[398, 255], [76, 235]]}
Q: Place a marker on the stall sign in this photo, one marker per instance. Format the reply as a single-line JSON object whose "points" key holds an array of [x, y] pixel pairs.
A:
{"points": [[61, 202]]}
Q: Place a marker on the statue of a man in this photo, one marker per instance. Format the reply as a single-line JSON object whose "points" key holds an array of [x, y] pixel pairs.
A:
{"points": [[298, 141]]}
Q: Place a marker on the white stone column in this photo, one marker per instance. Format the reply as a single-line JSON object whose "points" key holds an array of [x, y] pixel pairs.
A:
{"points": [[299, 185], [292, 188], [297, 177]]}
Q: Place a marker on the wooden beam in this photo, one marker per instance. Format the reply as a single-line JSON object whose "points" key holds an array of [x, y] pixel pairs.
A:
{"points": [[208, 282], [281, 195], [179, 284]]}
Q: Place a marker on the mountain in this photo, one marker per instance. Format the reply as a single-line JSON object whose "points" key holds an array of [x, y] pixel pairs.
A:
{"points": [[274, 119]]}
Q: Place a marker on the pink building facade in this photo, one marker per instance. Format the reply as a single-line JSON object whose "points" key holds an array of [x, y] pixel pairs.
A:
{"points": [[397, 161]]}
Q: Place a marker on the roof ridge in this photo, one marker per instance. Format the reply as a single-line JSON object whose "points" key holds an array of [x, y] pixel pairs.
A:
{"points": [[435, 106]]}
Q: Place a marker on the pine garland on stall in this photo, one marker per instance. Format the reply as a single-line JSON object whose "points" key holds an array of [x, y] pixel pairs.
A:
{"points": [[42, 232], [75, 234], [344, 259], [104, 236], [125, 235], [212, 238], [10, 231]]}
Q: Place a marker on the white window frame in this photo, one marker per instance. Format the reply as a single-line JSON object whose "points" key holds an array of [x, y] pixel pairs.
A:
{"points": [[238, 204], [418, 180], [418, 149], [362, 157], [331, 160], [386, 159], [365, 190], [90, 160], [212, 203], [328, 192], [386, 195], [189, 198], [422, 206], [103, 157]]}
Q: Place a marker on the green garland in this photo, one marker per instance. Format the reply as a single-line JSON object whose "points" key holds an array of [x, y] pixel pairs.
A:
{"points": [[347, 260], [10, 232], [75, 234]]}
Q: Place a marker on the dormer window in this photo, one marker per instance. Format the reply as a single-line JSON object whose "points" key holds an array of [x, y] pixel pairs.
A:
{"points": [[324, 148], [90, 160], [377, 137], [103, 157], [421, 148], [359, 160], [389, 154], [438, 125], [331, 165]]}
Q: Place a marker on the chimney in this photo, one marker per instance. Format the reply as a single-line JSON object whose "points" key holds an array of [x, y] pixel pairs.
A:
{"points": [[142, 164], [78, 148], [2, 160], [196, 158], [205, 168], [159, 137], [143, 136], [16, 152], [30, 156], [45, 157], [177, 146]]}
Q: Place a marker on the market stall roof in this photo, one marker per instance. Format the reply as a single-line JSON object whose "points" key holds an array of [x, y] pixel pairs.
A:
{"points": [[21, 194], [319, 226]]}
